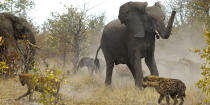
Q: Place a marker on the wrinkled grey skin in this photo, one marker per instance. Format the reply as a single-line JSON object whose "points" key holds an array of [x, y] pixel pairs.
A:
{"points": [[13, 28], [132, 37], [89, 63]]}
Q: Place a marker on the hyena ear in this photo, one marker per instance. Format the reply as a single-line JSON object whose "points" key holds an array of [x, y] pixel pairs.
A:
{"points": [[20, 75]]}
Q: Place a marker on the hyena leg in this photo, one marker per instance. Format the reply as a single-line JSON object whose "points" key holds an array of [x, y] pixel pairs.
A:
{"points": [[27, 93], [182, 101], [30, 96], [167, 100], [175, 100], [160, 98]]}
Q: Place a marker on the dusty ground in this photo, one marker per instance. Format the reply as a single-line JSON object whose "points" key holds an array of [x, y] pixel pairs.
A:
{"points": [[83, 89]]}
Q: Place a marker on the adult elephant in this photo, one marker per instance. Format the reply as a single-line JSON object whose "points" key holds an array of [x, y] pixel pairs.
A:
{"points": [[12, 29], [132, 37]]}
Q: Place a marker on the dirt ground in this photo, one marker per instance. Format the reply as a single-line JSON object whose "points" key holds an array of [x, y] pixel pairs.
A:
{"points": [[83, 89]]}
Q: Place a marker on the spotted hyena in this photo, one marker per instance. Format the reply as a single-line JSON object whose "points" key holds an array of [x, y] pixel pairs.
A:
{"points": [[165, 87]]}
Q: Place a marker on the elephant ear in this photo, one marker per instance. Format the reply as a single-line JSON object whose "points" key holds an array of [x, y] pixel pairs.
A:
{"points": [[123, 12], [158, 16], [18, 25], [156, 13], [131, 14], [19, 30]]}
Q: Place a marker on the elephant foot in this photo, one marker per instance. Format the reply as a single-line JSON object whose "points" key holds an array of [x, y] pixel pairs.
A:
{"points": [[140, 87], [107, 84]]}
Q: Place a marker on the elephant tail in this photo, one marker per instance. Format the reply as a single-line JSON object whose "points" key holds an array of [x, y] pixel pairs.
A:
{"points": [[96, 61]]}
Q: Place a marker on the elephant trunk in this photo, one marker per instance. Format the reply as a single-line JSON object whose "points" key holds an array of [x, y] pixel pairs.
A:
{"points": [[165, 32]]}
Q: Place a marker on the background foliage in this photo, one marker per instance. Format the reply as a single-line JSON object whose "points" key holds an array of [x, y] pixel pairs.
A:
{"points": [[17, 7], [204, 83], [73, 33]]}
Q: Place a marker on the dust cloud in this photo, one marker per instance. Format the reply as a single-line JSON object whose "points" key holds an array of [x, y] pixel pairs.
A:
{"points": [[174, 57]]}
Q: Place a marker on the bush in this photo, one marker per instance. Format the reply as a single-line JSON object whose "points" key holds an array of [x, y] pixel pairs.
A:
{"points": [[50, 86], [3, 67], [1, 41], [204, 83]]}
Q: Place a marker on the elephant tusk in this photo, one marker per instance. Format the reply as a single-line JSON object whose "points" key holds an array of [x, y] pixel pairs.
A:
{"points": [[1, 41], [157, 34], [33, 45]]}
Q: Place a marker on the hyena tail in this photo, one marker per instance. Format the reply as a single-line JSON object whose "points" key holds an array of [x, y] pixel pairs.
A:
{"points": [[96, 61]]}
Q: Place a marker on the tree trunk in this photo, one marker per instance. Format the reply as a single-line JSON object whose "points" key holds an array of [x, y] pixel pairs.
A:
{"points": [[64, 57], [76, 52]]}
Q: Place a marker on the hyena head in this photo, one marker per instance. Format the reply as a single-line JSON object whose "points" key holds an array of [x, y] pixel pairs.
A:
{"points": [[150, 81], [22, 81], [24, 77]]}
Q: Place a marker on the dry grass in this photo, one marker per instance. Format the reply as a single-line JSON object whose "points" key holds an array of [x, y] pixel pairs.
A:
{"points": [[11, 89], [91, 91], [82, 89]]}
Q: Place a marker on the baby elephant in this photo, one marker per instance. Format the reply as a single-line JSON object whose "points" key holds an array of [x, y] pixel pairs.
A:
{"points": [[89, 63], [165, 87]]}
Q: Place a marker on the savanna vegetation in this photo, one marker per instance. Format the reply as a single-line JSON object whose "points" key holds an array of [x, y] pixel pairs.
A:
{"points": [[64, 38]]}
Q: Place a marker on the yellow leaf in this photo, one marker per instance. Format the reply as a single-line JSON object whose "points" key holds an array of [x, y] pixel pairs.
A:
{"points": [[56, 80], [51, 76], [65, 82], [205, 50], [1, 41], [197, 50]]}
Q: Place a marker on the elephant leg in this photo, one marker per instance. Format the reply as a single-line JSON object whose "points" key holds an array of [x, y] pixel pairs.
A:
{"points": [[132, 70], [90, 70], [138, 72], [151, 64], [109, 70], [95, 69]]}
